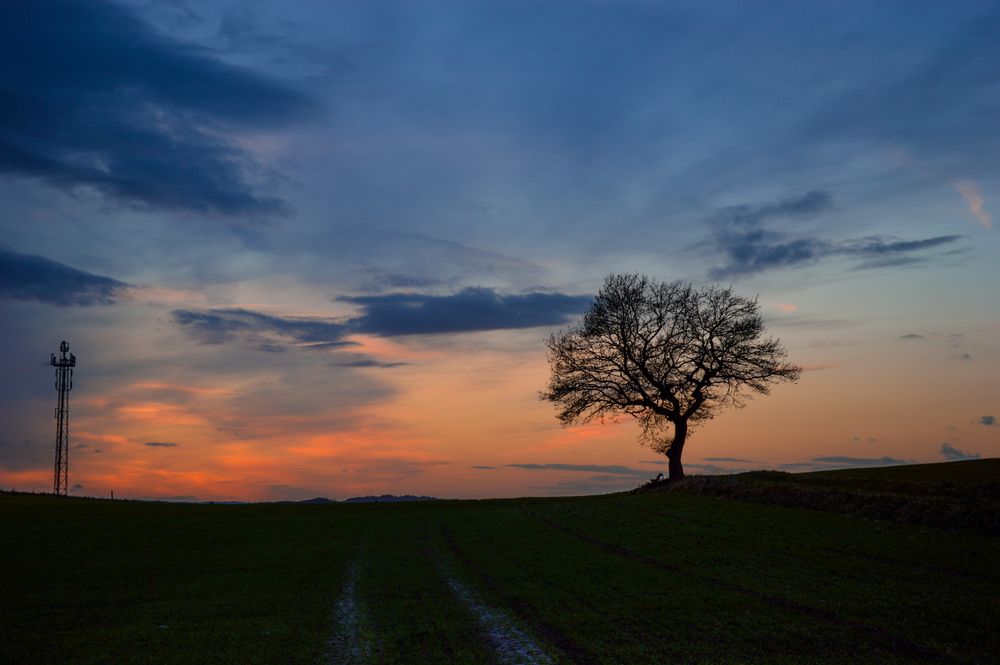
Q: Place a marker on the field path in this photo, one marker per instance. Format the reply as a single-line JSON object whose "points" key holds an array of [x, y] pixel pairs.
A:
{"points": [[349, 645], [511, 644]]}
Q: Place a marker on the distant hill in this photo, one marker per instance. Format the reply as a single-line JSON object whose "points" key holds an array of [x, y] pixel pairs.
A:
{"points": [[389, 498], [318, 499]]}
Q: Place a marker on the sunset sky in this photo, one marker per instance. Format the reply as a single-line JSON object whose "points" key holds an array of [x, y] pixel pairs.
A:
{"points": [[315, 248]]}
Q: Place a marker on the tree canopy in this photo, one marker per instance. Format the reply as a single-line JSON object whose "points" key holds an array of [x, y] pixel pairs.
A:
{"points": [[667, 353]]}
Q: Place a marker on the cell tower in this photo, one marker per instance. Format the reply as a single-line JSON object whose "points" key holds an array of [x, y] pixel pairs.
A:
{"points": [[64, 383]]}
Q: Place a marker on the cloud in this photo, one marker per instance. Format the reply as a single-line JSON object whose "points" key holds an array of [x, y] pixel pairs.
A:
{"points": [[99, 100], [877, 253], [955, 455], [750, 248], [806, 205], [861, 461], [161, 444], [911, 336], [974, 199], [469, 310], [731, 459], [30, 277], [589, 468], [989, 421], [837, 462], [267, 332], [817, 367], [370, 362], [374, 280], [481, 466]]}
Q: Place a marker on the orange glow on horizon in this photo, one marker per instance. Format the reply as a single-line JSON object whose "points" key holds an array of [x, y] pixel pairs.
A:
{"points": [[458, 422]]}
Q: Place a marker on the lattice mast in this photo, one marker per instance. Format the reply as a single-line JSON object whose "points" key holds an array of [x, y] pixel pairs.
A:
{"points": [[64, 383]]}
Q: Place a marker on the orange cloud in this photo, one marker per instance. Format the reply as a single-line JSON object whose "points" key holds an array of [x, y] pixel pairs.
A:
{"points": [[157, 413]]}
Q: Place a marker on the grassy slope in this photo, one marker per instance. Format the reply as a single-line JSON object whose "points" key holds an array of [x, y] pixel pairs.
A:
{"points": [[653, 577], [957, 495]]}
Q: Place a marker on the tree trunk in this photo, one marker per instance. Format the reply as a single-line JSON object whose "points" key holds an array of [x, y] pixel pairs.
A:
{"points": [[675, 469]]}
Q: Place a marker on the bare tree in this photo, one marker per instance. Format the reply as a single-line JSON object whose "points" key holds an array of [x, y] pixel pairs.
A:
{"points": [[668, 354]]}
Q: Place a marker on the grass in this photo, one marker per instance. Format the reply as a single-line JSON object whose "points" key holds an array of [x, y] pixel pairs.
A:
{"points": [[954, 495], [627, 578]]}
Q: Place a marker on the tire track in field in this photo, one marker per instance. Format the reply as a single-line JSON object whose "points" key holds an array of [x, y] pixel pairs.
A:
{"points": [[511, 645], [349, 645], [898, 644], [548, 631]]}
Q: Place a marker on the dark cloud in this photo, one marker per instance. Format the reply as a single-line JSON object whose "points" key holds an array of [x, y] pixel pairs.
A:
{"points": [[739, 232], [589, 468], [469, 310], [30, 277], [837, 461], [377, 281], [481, 466], [370, 362], [161, 444], [472, 309], [750, 248], [989, 421], [911, 336], [955, 455], [875, 246], [92, 97], [268, 333], [795, 207], [861, 461], [731, 459]]}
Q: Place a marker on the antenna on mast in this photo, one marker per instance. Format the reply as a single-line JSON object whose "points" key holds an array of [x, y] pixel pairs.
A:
{"points": [[64, 365]]}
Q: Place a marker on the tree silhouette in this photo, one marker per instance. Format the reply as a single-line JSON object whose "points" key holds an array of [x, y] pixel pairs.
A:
{"points": [[668, 354]]}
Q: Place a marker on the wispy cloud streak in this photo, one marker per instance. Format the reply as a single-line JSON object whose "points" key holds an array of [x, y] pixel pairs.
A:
{"points": [[751, 247]]}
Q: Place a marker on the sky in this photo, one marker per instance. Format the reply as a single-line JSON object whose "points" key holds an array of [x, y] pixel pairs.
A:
{"points": [[315, 249]]}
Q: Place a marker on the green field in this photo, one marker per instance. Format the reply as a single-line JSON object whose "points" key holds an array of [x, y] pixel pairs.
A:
{"points": [[659, 577]]}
